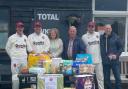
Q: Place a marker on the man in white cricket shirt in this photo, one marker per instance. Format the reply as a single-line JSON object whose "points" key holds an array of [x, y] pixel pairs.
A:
{"points": [[92, 41], [16, 47], [40, 42]]}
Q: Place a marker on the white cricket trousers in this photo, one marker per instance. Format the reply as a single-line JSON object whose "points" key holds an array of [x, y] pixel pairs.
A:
{"points": [[16, 64], [99, 75]]}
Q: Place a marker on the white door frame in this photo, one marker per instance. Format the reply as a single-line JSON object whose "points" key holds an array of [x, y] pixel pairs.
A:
{"points": [[97, 13]]}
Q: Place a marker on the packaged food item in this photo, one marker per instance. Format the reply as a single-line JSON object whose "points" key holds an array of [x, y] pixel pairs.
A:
{"points": [[84, 82], [87, 58], [83, 64], [86, 69], [67, 67], [55, 66], [76, 65], [37, 70], [33, 59], [61, 68], [75, 70], [47, 66]]}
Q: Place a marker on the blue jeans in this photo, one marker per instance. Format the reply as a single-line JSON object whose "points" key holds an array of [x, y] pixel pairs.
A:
{"points": [[115, 66]]}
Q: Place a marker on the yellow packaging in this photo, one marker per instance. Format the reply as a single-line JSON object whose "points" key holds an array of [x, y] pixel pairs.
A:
{"points": [[34, 59]]}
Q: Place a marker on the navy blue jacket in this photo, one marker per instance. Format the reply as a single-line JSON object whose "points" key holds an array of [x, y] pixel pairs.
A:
{"points": [[114, 46], [78, 47]]}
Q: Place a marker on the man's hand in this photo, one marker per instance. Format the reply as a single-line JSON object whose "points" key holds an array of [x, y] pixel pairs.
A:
{"points": [[32, 52], [110, 56], [114, 56]]}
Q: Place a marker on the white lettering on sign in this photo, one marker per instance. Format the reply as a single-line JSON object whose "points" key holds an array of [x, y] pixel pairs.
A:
{"points": [[45, 31], [48, 17]]}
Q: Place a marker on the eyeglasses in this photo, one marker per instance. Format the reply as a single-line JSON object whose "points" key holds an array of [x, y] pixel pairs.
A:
{"points": [[91, 26]]}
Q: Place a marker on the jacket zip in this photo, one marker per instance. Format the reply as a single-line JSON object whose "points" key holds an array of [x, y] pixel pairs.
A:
{"points": [[106, 45]]}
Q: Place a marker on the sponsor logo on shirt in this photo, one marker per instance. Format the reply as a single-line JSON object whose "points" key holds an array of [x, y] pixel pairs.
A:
{"points": [[43, 37], [24, 40], [97, 36], [20, 46], [94, 42], [38, 43]]}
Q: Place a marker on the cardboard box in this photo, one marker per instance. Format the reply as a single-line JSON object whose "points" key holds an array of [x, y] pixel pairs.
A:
{"points": [[51, 81], [84, 82]]}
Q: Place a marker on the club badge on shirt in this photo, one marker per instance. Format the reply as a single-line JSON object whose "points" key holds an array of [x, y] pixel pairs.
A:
{"points": [[97, 36], [25, 40]]}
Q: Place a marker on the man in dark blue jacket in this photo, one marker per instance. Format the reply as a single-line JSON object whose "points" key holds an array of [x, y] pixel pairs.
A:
{"points": [[111, 48], [74, 45]]}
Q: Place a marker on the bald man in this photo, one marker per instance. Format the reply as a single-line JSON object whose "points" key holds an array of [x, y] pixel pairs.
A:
{"points": [[73, 45], [111, 48]]}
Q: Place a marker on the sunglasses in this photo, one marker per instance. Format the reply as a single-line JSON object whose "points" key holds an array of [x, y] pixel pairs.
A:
{"points": [[37, 26]]}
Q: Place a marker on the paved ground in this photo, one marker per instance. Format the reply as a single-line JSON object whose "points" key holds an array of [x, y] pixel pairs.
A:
{"points": [[124, 86]]}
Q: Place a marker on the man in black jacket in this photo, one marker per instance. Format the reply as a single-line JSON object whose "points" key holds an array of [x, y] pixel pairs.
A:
{"points": [[111, 48]]}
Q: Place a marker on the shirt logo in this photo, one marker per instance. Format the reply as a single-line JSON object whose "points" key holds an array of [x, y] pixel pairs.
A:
{"points": [[94, 42], [38, 43], [24, 40], [20, 46], [43, 37], [97, 36]]}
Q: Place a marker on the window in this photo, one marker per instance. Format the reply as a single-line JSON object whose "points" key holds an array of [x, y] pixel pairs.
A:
{"points": [[4, 23], [111, 5]]}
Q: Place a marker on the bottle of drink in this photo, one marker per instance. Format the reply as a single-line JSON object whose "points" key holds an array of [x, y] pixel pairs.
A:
{"points": [[16, 70]]}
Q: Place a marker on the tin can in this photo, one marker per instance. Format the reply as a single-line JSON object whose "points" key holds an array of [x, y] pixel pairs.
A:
{"points": [[84, 82]]}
